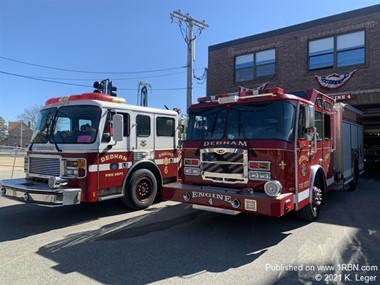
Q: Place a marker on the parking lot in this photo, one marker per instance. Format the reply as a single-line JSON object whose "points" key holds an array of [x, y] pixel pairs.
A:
{"points": [[171, 243]]}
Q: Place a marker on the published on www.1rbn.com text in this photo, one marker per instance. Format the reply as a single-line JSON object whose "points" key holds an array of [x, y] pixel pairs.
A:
{"points": [[346, 273]]}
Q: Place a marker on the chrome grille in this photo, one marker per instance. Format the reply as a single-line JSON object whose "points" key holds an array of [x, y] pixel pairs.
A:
{"points": [[227, 165], [44, 166], [222, 163]]}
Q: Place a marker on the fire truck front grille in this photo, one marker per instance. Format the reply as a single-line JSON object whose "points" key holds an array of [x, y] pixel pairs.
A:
{"points": [[226, 165], [44, 166]]}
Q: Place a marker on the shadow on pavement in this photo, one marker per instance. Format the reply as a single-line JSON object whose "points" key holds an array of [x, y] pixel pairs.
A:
{"points": [[155, 247]]}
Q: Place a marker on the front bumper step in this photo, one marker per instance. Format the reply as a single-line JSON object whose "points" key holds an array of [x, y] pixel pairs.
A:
{"points": [[39, 193], [229, 200]]}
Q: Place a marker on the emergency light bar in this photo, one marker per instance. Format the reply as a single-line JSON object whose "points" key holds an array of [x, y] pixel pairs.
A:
{"points": [[86, 96], [235, 96]]}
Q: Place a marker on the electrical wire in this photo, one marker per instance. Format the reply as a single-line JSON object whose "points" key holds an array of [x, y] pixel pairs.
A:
{"points": [[82, 85], [92, 72], [202, 78], [114, 79], [45, 80]]}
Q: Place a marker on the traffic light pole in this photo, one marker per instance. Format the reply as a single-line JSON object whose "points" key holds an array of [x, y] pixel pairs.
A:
{"points": [[105, 87], [190, 40]]}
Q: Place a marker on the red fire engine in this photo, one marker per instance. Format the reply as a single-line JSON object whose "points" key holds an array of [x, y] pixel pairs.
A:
{"points": [[93, 147], [268, 153]]}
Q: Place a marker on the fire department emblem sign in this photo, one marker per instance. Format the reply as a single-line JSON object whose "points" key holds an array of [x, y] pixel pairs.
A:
{"points": [[303, 170], [220, 151]]}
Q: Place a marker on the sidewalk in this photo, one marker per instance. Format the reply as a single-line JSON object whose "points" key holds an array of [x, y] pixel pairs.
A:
{"points": [[7, 174], [9, 165]]}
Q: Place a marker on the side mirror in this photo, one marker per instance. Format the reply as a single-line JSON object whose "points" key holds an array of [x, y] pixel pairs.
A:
{"points": [[310, 117], [118, 127]]}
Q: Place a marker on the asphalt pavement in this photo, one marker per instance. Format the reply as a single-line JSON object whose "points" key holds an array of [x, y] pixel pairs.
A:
{"points": [[171, 243]]}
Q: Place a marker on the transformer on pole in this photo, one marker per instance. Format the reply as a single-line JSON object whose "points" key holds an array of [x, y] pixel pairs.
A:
{"points": [[189, 38]]}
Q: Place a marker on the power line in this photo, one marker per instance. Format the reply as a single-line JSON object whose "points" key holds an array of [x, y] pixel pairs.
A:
{"points": [[123, 78], [92, 72], [82, 85], [45, 80], [189, 38]]}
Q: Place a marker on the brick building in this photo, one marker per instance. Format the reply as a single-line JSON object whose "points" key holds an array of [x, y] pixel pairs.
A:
{"points": [[338, 55], [19, 134]]}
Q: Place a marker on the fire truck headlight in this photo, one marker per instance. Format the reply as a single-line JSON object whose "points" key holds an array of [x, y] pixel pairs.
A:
{"points": [[26, 164], [74, 168], [56, 182], [259, 175], [273, 188], [192, 171]]}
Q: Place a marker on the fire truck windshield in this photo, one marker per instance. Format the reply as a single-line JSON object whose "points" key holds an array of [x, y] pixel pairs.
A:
{"points": [[67, 125], [262, 121], [206, 123]]}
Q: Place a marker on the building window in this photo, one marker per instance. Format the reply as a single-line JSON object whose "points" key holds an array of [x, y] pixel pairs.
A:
{"points": [[265, 63], [338, 51], [255, 65], [244, 67]]}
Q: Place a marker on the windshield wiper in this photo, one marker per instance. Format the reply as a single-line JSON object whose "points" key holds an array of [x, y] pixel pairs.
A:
{"points": [[242, 133], [213, 128], [52, 133], [55, 143], [33, 139]]}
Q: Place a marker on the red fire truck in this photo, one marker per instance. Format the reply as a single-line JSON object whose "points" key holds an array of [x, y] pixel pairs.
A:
{"points": [[94, 147], [268, 153]]}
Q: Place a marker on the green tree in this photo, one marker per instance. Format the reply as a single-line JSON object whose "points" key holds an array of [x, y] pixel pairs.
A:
{"points": [[3, 130]]}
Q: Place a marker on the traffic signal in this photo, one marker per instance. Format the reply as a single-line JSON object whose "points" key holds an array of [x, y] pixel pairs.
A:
{"points": [[111, 89], [99, 87]]}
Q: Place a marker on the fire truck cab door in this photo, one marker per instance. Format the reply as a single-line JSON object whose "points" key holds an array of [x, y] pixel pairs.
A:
{"points": [[165, 133], [324, 126], [144, 132]]}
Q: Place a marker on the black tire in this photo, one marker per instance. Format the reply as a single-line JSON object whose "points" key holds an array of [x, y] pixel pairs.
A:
{"points": [[311, 211], [141, 191]]}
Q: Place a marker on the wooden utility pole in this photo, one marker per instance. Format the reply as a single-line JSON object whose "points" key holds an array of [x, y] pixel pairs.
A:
{"points": [[189, 38]]}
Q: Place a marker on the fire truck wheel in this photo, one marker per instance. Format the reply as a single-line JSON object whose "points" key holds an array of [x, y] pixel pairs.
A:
{"points": [[141, 190], [311, 211]]}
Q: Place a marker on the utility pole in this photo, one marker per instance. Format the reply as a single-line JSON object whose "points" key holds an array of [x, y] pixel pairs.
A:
{"points": [[189, 38], [142, 94], [21, 129]]}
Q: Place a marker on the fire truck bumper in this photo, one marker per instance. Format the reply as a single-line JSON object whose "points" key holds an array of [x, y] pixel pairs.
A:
{"points": [[229, 201], [39, 193]]}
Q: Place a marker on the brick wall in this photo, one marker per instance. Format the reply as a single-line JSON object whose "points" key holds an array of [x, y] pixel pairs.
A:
{"points": [[291, 45]]}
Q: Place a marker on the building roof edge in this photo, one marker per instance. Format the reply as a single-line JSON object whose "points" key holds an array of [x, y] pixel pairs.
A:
{"points": [[298, 27]]}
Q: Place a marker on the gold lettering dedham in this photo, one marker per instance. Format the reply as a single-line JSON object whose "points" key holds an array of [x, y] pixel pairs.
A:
{"points": [[115, 156]]}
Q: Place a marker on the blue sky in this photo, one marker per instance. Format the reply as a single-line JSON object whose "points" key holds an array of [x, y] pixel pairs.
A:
{"points": [[128, 42]]}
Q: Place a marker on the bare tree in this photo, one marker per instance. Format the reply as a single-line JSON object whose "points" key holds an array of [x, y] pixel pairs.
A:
{"points": [[30, 115]]}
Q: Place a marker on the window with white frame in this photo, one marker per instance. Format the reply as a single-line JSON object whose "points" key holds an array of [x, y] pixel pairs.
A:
{"points": [[255, 65], [337, 51]]}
